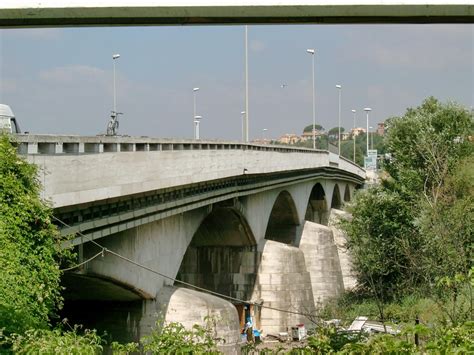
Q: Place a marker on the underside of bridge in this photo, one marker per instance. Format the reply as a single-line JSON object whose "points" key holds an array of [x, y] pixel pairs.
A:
{"points": [[222, 256], [347, 194], [283, 220], [317, 210], [336, 201], [102, 304]]}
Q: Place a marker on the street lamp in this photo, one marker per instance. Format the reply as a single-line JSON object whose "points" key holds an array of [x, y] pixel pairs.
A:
{"points": [[197, 119], [371, 138], [195, 90], [367, 110], [353, 135], [312, 52], [339, 87], [243, 125], [246, 128], [114, 57], [263, 134]]}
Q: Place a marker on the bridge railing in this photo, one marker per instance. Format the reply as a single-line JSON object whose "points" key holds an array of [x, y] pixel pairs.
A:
{"points": [[53, 144]]}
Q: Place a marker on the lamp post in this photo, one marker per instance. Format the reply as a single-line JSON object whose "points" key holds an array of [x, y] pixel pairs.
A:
{"points": [[195, 90], [114, 57], [197, 119], [367, 110], [246, 125], [312, 52], [353, 135], [371, 138], [339, 87], [243, 125]]}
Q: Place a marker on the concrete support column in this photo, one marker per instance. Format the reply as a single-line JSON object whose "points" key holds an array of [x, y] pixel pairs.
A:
{"points": [[322, 262], [81, 147], [59, 148], [32, 148], [283, 283]]}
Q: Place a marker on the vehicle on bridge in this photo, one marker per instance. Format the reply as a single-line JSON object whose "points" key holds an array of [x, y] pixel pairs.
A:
{"points": [[7, 120]]}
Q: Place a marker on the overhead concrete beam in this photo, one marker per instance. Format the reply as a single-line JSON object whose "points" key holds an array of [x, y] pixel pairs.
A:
{"points": [[59, 13]]}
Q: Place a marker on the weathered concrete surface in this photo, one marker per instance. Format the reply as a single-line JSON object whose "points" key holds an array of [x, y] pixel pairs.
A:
{"points": [[322, 262], [283, 283], [190, 307], [340, 238], [228, 270]]}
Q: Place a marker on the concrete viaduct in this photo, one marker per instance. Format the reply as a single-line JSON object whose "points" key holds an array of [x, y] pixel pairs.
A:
{"points": [[246, 221]]}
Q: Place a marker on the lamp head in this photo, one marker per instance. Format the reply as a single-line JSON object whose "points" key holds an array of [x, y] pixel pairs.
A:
{"points": [[367, 109], [197, 117], [354, 111], [243, 113], [116, 56], [310, 51], [339, 86], [195, 89]]}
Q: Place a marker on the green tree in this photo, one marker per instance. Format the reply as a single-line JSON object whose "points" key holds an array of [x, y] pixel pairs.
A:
{"points": [[417, 226], [30, 247], [309, 128]]}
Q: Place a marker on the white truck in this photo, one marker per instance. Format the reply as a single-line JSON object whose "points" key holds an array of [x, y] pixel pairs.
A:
{"points": [[8, 122]]}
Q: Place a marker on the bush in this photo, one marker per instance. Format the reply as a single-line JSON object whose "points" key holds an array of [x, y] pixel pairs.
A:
{"points": [[46, 342]]}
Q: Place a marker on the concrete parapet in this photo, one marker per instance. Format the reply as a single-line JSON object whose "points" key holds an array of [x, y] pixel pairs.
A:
{"points": [[283, 283], [340, 238], [322, 261]]}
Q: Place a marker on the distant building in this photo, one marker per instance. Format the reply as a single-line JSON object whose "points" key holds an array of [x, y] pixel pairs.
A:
{"points": [[308, 135], [357, 131], [345, 136], [289, 138], [381, 128]]}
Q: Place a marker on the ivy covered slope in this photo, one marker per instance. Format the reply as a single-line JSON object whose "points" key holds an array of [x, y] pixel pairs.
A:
{"points": [[29, 247]]}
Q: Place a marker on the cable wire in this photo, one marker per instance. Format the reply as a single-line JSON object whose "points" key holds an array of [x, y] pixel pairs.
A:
{"points": [[106, 250], [84, 262]]}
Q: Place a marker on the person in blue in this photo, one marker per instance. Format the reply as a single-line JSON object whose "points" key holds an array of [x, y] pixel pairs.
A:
{"points": [[249, 329]]}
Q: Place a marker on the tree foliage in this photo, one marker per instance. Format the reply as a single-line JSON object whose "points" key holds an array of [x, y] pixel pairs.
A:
{"points": [[416, 228], [309, 128], [29, 271]]}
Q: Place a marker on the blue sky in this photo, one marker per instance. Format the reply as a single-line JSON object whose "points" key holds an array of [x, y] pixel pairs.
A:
{"points": [[60, 80]]}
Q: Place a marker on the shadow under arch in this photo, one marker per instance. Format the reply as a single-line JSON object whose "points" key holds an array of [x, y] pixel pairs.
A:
{"points": [[347, 194], [317, 210], [336, 201], [109, 306], [222, 256], [283, 220]]}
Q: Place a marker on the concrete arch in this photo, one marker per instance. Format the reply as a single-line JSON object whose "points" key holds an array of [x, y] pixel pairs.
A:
{"points": [[222, 255], [347, 193], [283, 220], [317, 209], [336, 201]]}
